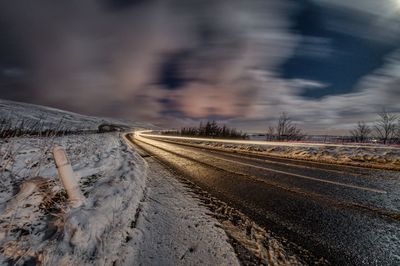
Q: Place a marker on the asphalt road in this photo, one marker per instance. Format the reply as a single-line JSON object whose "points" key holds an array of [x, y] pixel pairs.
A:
{"points": [[348, 215]]}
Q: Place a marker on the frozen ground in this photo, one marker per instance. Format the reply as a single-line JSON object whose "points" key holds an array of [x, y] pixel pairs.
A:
{"points": [[378, 156], [129, 218], [36, 223]]}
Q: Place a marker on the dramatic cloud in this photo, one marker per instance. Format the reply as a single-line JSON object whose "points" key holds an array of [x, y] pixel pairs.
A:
{"points": [[172, 62]]}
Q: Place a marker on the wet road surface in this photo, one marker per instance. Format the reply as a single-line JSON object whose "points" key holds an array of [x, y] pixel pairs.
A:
{"points": [[348, 215]]}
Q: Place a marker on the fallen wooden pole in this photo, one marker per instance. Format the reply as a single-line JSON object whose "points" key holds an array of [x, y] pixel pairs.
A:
{"points": [[68, 178]]}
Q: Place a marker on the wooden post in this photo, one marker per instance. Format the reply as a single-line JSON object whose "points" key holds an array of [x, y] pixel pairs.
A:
{"points": [[68, 178]]}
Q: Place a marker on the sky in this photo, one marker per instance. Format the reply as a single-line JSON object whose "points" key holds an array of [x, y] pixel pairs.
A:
{"points": [[327, 63]]}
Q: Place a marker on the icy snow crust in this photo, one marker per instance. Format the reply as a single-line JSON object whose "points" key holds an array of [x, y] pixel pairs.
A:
{"points": [[36, 224]]}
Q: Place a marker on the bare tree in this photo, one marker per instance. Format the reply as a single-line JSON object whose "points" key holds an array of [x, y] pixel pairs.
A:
{"points": [[386, 126], [287, 130], [361, 132], [397, 134], [270, 133]]}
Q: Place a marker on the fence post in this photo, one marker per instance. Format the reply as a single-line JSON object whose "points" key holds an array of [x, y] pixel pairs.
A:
{"points": [[68, 178]]}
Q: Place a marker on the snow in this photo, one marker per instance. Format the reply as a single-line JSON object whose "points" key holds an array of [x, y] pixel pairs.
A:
{"points": [[173, 229], [378, 156], [38, 224], [50, 118], [129, 217]]}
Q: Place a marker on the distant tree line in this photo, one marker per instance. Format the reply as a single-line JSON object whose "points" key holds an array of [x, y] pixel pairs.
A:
{"points": [[209, 129], [385, 130]]}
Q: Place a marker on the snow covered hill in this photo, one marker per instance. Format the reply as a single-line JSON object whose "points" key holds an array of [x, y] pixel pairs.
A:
{"points": [[24, 116]]}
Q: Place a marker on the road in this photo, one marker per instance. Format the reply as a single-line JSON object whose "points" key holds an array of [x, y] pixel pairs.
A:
{"points": [[348, 215]]}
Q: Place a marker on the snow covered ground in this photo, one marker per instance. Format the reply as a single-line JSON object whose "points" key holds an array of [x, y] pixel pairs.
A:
{"points": [[378, 156], [36, 223], [129, 217], [24, 116]]}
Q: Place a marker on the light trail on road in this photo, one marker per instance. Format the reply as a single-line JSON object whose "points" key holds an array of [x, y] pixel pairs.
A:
{"points": [[146, 133]]}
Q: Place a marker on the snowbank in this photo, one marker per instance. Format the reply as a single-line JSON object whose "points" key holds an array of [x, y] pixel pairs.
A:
{"points": [[36, 224], [377, 157]]}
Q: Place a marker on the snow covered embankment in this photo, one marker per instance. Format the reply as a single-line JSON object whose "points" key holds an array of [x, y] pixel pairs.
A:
{"points": [[30, 117], [36, 225], [375, 157]]}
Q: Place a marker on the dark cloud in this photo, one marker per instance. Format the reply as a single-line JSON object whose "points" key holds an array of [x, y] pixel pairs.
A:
{"points": [[116, 5], [15, 82], [172, 71]]}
